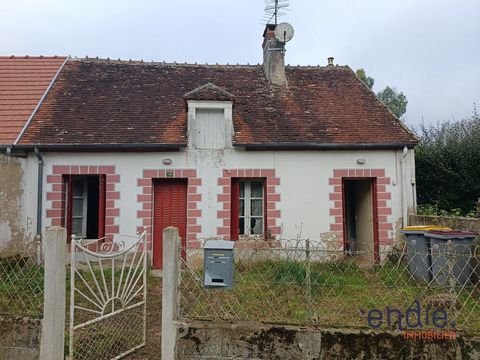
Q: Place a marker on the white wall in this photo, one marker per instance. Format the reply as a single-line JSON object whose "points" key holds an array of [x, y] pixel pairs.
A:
{"points": [[304, 177]]}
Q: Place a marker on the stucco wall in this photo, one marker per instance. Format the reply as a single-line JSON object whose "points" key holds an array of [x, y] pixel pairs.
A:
{"points": [[305, 201], [13, 224]]}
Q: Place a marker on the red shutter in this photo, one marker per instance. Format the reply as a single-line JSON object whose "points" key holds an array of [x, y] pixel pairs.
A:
{"points": [[69, 202], [102, 194], [234, 206], [265, 220]]}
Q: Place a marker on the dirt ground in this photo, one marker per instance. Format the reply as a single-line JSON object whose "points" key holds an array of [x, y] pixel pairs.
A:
{"points": [[152, 350]]}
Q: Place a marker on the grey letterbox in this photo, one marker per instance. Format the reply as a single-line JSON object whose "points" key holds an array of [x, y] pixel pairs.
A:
{"points": [[218, 264]]}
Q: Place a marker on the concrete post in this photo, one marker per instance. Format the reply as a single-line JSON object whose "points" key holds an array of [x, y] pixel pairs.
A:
{"points": [[171, 275], [53, 324]]}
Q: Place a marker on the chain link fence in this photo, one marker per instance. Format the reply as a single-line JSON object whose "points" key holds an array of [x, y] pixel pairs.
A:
{"points": [[22, 281], [304, 282]]}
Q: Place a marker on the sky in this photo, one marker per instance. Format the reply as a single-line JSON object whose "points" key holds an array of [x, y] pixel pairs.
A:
{"points": [[428, 49]]}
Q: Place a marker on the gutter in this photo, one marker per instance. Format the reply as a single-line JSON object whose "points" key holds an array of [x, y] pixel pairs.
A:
{"points": [[39, 194], [323, 146], [40, 102], [97, 147], [403, 161]]}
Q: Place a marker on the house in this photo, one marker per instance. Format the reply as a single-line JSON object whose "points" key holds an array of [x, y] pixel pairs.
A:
{"points": [[24, 81], [233, 151]]}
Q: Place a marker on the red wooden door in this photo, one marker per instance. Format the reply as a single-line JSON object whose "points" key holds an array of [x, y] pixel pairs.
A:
{"points": [[170, 209]]}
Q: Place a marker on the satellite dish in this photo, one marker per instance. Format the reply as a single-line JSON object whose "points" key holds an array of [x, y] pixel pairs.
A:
{"points": [[284, 32]]}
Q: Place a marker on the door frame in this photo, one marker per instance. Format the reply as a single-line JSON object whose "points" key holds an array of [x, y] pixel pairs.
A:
{"points": [[373, 184], [183, 239]]}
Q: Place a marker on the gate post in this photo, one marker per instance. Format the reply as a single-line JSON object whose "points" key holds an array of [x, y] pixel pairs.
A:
{"points": [[53, 323], [171, 268]]}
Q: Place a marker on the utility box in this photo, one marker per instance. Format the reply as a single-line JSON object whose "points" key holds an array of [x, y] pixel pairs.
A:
{"points": [[218, 264]]}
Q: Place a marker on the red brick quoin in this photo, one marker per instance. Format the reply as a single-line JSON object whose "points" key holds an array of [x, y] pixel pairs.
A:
{"points": [[56, 196], [273, 197], [145, 198], [384, 197]]}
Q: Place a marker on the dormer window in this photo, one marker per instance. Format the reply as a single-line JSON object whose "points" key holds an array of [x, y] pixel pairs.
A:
{"points": [[210, 125]]}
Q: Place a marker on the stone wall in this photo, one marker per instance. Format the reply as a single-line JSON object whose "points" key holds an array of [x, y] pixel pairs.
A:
{"points": [[208, 340], [19, 338], [457, 223]]}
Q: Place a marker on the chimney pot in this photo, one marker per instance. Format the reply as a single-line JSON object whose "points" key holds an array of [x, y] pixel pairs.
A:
{"points": [[330, 61]]}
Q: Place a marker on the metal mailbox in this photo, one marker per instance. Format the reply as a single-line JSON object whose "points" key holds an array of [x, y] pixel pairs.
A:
{"points": [[218, 264]]}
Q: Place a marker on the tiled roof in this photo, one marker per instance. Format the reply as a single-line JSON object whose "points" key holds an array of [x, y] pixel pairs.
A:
{"points": [[113, 102], [23, 81]]}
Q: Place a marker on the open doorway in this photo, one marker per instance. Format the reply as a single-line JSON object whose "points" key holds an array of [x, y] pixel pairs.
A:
{"points": [[360, 218]]}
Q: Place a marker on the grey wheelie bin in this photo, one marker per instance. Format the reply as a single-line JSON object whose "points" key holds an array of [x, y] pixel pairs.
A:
{"points": [[418, 250], [453, 261]]}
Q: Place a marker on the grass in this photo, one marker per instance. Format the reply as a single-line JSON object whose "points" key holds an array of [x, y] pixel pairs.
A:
{"points": [[333, 294], [21, 287]]}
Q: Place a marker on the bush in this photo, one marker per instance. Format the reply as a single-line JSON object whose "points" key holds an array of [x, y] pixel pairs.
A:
{"points": [[448, 171]]}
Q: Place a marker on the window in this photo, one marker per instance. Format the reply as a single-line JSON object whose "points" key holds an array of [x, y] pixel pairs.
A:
{"points": [[85, 206], [248, 207]]}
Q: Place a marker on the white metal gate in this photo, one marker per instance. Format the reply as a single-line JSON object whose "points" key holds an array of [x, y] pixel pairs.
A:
{"points": [[108, 292]]}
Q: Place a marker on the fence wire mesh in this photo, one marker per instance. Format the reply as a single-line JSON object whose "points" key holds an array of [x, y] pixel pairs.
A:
{"points": [[22, 281], [304, 282]]}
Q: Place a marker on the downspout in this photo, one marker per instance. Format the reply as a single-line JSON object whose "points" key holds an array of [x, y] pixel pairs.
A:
{"points": [[404, 186], [39, 194]]}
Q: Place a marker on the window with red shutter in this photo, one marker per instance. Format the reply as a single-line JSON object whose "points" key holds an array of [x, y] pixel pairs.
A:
{"points": [[85, 206], [248, 215]]}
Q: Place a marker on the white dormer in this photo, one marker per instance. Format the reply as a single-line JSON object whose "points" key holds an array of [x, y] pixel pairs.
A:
{"points": [[210, 119]]}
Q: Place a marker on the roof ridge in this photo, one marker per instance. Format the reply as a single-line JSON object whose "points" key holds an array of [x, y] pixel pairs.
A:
{"points": [[23, 57]]}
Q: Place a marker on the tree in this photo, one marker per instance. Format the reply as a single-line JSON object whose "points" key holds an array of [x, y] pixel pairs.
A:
{"points": [[367, 80], [395, 100]]}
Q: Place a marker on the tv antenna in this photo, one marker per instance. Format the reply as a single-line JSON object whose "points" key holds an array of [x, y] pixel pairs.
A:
{"points": [[273, 10]]}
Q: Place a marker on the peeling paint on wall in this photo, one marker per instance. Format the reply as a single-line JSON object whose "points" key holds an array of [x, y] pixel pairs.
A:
{"points": [[12, 234]]}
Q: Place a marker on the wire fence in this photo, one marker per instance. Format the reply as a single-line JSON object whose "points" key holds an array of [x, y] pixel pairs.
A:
{"points": [[22, 281], [304, 282]]}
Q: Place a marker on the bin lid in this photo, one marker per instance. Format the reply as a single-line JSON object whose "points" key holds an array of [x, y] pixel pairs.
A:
{"points": [[454, 234], [219, 244], [420, 229]]}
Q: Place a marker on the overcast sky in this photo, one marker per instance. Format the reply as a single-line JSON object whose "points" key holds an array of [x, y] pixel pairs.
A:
{"points": [[429, 49]]}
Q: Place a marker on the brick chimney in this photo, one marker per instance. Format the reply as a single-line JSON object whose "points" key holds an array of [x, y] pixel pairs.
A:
{"points": [[273, 57]]}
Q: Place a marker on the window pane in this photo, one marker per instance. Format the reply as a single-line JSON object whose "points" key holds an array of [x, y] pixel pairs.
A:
{"points": [[256, 226], [77, 227], [241, 225], [257, 189], [242, 189], [77, 207], [257, 207], [242, 208], [78, 187]]}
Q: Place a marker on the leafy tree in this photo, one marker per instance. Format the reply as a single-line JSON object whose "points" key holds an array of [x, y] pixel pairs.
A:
{"points": [[447, 165], [395, 100], [367, 80]]}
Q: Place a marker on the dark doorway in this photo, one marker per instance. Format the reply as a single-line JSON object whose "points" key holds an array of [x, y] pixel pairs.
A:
{"points": [[360, 218]]}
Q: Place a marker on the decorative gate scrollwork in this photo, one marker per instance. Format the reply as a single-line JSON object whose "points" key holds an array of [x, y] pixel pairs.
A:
{"points": [[108, 289]]}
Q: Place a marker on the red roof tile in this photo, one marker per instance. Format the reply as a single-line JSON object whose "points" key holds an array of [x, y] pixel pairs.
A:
{"points": [[23, 81], [111, 102]]}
